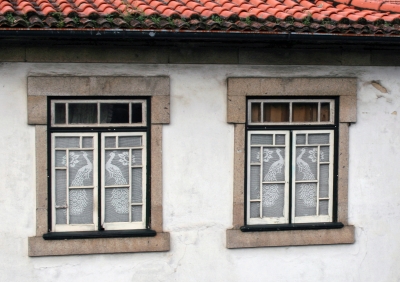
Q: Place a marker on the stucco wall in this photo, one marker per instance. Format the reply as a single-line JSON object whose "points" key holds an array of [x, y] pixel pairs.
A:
{"points": [[198, 179]]}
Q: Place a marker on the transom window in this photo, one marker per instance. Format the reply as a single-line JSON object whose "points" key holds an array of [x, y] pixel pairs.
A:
{"points": [[281, 111], [290, 161], [98, 177]]}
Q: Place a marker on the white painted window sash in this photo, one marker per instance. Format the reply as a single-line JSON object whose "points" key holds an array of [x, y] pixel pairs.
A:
{"points": [[268, 220], [98, 102], [317, 217], [130, 224], [73, 227]]}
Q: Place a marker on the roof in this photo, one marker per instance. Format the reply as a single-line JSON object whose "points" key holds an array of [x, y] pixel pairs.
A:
{"points": [[374, 17]]}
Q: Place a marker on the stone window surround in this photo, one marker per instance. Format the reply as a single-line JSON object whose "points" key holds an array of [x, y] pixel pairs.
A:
{"points": [[39, 87], [241, 87]]}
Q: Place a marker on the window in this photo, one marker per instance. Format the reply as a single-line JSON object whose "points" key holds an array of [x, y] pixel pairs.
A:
{"points": [[284, 109], [98, 178], [290, 161], [80, 111]]}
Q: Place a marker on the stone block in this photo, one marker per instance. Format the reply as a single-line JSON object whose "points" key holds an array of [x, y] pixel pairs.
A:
{"points": [[37, 110], [12, 54], [238, 239], [356, 57], [238, 174], [187, 55], [238, 215], [236, 112], [41, 166], [343, 171], [58, 86], [160, 109], [156, 165], [243, 86], [156, 218], [41, 221], [98, 54], [284, 56], [348, 109], [37, 246], [129, 86]]}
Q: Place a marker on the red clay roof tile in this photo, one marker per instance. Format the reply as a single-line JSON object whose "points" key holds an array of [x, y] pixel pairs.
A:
{"points": [[367, 16]]}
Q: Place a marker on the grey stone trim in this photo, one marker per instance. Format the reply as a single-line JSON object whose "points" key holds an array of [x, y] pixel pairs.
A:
{"points": [[37, 246], [98, 86], [158, 88], [238, 89], [238, 239]]}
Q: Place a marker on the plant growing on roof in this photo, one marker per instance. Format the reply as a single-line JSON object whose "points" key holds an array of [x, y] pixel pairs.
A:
{"points": [[10, 18], [216, 19], [156, 20], [76, 20], [289, 20], [307, 20], [109, 18], [248, 21]]}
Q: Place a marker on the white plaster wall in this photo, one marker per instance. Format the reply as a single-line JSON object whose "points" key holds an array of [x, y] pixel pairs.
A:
{"points": [[198, 177]]}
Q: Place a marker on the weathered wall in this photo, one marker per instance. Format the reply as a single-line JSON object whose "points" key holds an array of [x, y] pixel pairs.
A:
{"points": [[198, 177]]}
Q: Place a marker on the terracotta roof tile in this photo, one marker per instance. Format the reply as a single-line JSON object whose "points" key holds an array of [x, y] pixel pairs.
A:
{"points": [[338, 16]]}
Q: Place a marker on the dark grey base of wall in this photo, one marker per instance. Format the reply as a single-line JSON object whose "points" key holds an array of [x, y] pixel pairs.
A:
{"points": [[163, 52]]}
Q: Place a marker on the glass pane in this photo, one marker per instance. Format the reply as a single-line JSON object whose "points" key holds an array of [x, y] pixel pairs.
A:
{"points": [[307, 112], [255, 182], [137, 113], [255, 155], [137, 196], [325, 112], [59, 113], [87, 142], [136, 213], [114, 113], [276, 112], [273, 164], [80, 206], [61, 187], [273, 200], [137, 157], [61, 216], [279, 139], [80, 168], [61, 159], [261, 139], [255, 112], [324, 154], [82, 113], [318, 138], [254, 209], [324, 181], [306, 199], [323, 207], [300, 139], [67, 142], [117, 205], [110, 142], [129, 141], [116, 167], [306, 163]]}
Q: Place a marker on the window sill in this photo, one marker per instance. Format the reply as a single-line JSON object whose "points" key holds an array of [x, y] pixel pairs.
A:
{"points": [[236, 238], [99, 234], [41, 247], [297, 226]]}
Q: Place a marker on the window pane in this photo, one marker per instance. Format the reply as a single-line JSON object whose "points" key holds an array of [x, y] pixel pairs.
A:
{"points": [[273, 164], [137, 195], [137, 157], [305, 112], [254, 209], [110, 142], [61, 216], [67, 142], [255, 182], [61, 187], [136, 213], [318, 138], [273, 200], [116, 167], [325, 112], [306, 163], [136, 113], [117, 205], [129, 141], [255, 112], [87, 142], [306, 199], [323, 207], [262, 139], [114, 113], [80, 168], [324, 181], [82, 113], [59, 112], [80, 206], [276, 112]]}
